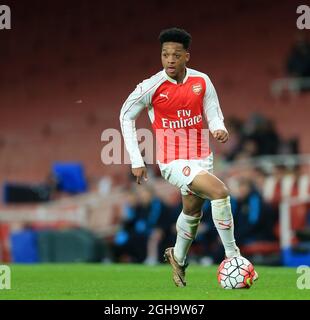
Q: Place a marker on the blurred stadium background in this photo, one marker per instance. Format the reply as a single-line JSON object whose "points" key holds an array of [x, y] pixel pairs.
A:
{"points": [[67, 67]]}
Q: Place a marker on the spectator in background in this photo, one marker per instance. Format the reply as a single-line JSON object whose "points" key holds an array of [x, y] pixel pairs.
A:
{"points": [[258, 177], [298, 62], [140, 217], [289, 146], [163, 235], [255, 220], [297, 69], [248, 149], [261, 132]]}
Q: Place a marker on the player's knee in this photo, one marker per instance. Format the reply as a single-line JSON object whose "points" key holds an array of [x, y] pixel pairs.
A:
{"points": [[192, 211], [220, 192]]}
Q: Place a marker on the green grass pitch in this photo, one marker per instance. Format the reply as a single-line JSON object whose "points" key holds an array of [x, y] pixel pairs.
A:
{"points": [[139, 282]]}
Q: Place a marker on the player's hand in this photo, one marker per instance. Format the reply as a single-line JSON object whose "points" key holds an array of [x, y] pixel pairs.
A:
{"points": [[220, 135], [139, 173]]}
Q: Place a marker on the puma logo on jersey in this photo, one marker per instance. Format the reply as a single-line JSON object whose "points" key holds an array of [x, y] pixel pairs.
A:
{"points": [[162, 95]]}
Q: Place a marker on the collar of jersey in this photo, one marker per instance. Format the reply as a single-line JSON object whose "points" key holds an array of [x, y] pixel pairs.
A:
{"points": [[174, 81]]}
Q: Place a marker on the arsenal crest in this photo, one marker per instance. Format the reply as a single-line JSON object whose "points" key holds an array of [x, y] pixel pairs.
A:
{"points": [[197, 88]]}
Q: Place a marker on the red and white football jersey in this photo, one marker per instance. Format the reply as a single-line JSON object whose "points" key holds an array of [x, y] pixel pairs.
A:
{"points": [[176, 110]]}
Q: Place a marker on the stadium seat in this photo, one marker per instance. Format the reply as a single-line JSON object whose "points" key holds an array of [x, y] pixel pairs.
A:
{"points": [[70, 177], [69, 245], [24, 246]]}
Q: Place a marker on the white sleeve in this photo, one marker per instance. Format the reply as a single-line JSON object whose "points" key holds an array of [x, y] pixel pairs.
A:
{"points": [[212, 109], [135, 103]]}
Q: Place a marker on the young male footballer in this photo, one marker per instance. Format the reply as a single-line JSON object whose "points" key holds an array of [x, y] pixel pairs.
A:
{"points": [[177, 99]]}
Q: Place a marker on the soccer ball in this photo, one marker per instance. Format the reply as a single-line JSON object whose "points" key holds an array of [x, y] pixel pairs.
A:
{"points": [[235, 273]]}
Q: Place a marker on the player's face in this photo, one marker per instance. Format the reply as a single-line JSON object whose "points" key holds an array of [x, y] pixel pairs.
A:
{"points": [[174, 58]]}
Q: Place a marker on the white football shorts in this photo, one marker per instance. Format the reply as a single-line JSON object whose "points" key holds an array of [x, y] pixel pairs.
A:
{"points": [[181, 173]]}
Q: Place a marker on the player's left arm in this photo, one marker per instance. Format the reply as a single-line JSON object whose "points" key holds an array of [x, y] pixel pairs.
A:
{"points": [[213, 113]]}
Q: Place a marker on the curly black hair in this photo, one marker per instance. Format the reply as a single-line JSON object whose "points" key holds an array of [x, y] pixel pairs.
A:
{"points": [[176, 35]]}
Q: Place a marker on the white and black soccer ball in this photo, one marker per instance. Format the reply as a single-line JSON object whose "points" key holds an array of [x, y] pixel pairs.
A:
{"points": [[235, 273]]}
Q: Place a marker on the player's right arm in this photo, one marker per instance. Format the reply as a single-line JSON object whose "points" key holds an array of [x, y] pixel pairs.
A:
{"points": [[213, 113], [135, 103]]}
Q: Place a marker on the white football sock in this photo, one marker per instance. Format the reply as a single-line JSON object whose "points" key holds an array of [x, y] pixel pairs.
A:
{"points": [[224, 223], [186, 232]]}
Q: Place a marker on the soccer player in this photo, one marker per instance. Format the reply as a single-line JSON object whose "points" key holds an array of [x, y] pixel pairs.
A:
{"points": [[177, 98]]}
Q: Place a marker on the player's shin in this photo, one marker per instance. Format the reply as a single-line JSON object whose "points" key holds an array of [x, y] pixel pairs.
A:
{"points": [[186, 232], [224, 223]]}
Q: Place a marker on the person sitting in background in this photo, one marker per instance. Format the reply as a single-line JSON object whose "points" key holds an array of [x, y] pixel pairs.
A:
{"points": [[262, 132], [256, 219], [140, 217], [298, 62], [163, 235], [297, 68]]}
